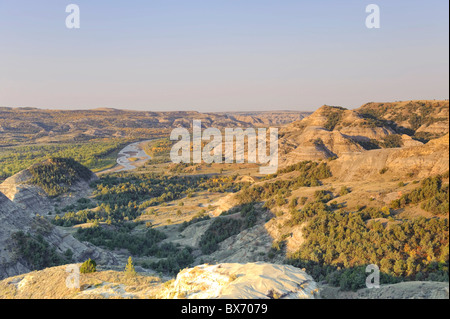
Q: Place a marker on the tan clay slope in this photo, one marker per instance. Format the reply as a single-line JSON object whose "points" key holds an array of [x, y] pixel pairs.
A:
{"points": [[414, 162]]}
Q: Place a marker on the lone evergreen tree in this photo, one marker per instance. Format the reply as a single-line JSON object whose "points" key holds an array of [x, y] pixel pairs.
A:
{"points": [[129, 268]]}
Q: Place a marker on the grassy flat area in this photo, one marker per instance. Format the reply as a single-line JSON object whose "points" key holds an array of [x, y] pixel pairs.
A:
{"points": [[97, 155]]}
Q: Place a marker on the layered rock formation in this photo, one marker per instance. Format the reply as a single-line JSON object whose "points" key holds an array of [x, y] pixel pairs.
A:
{"points": [[334, 132], [424, 116], [416, 161], [328, 132]]}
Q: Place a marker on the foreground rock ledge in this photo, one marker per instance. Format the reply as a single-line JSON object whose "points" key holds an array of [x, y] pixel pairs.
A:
{"points": [[243, 281]]}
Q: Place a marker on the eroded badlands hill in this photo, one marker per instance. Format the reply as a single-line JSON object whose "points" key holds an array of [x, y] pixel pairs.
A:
{"points": [[57, 179], [27, 240], [332, 132]]}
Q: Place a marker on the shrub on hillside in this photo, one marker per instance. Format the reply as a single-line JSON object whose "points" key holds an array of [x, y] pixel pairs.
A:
{"points": [[89, 266]]}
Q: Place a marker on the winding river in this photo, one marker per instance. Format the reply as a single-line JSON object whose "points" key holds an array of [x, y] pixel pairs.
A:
{"points": [[129, 158], [130, 151]]}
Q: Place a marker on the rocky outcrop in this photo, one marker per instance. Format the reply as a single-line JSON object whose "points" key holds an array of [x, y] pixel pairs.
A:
{"points": [[242, 281]]}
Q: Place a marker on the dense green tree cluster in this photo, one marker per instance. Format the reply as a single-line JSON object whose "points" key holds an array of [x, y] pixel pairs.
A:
{"points": [[224, 227], [309, 175], [354, 278], [433, 194], [392, 141], [80, 217], [37, 252], [147, 244], [414, 249], [158, 188], [389, 141], [56, 175], [416, 114], [334, 116], [103, 213], [308, 211], [198, 218], [308, 170], [120, 236], [174, 263], [323, 196], [159, 151], [125, 196], [81, 204], [221, 184], [220, 229]]}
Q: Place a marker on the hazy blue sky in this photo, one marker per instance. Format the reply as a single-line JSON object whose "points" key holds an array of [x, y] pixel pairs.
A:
{"points": [[221, 55]]}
